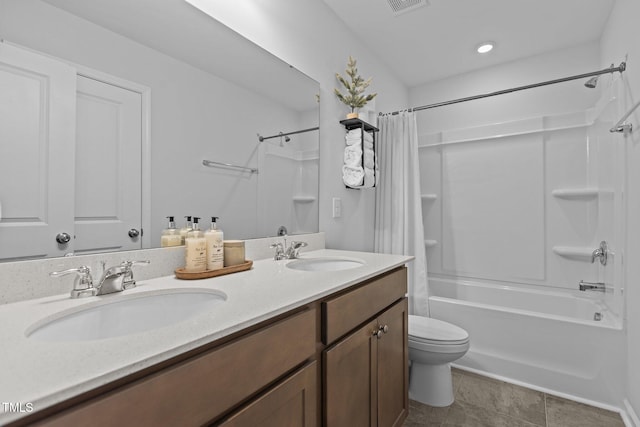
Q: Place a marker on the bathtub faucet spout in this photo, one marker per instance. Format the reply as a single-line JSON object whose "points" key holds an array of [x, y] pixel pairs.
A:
{"points": [[591, 286]]}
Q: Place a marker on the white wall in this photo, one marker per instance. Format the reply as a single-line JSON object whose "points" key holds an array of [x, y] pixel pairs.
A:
{"points": [[194, 116], [621, 38], [308, 35]]}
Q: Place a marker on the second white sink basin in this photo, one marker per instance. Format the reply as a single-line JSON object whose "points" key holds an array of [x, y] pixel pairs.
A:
{"points": [[126, 315], [325, 264]]}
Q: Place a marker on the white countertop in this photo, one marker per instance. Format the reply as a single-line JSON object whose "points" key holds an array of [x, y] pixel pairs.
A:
{"points": [[44, 373]]}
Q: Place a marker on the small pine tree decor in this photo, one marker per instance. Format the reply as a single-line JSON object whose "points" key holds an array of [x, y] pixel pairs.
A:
{"points": [[354, 97]]}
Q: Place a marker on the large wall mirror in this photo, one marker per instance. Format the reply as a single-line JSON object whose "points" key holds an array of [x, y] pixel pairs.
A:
{"points": [[116, 115]]}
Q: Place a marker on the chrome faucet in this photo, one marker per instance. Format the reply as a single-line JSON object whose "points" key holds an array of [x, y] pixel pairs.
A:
{"points": [[118, 278], [592, 286], [83, 283], [114, 279], [290, 252]]}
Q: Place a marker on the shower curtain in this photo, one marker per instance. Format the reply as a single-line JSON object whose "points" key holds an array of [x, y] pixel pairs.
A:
{"points": [[398, 220]]}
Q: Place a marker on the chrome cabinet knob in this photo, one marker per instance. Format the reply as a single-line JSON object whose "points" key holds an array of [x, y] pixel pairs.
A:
{"points": [[384, 328], [63, 238], [133, 233], [377, 333]]}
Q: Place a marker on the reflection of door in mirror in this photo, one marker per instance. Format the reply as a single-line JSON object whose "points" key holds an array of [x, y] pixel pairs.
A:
{"points": [[37, 115], [108, 158], [57, 129]]}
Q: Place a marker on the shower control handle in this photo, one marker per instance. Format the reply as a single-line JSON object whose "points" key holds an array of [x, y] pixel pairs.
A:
{"points": [[601, 253]]}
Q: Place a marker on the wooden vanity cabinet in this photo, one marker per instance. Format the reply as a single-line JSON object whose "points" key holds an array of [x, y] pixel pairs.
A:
{"points": [[339, 361], [365, 372], [204, 388]]}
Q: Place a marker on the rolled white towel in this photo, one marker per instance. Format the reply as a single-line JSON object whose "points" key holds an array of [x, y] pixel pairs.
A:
{"points": [[353, 155], [352, 176], [358, 134], [369, 178], [353, 141], [369, 161], [368, 144]]}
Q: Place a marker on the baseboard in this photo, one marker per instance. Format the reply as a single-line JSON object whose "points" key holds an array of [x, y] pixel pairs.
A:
{"points": [[629, 416]]}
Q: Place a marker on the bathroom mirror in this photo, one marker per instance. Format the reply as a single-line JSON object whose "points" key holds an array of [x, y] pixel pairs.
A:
{"points": [[196, 92]]}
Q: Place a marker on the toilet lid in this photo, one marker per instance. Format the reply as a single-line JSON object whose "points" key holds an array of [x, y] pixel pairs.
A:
{"points": [[427, 329]]}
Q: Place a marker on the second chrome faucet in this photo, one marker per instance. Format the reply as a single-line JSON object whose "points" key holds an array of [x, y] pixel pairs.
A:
{"points": [[284, 252]]}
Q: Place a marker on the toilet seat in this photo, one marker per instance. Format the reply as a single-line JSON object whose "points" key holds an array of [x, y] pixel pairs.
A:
{"points": [[426, 330]]}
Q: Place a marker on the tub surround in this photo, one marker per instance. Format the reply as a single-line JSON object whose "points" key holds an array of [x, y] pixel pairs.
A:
{"points": [[46, 373]]}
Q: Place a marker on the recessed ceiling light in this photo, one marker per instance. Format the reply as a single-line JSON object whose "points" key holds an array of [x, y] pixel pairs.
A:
{"points": [[485, 47]]}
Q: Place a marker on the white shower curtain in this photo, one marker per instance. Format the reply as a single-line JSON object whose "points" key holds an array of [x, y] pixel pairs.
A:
{"points": [[398, 222]]}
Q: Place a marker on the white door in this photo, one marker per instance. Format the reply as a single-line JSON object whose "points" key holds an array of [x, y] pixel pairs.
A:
{"points": [[37, 138], [108, 167]]}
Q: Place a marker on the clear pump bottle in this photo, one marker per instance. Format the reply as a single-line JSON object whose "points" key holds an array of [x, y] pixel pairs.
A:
{"points": [[170, 235], [188, 226]]}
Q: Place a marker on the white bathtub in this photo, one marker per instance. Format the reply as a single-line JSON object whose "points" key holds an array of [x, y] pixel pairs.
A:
{"points": [[546, 340]]}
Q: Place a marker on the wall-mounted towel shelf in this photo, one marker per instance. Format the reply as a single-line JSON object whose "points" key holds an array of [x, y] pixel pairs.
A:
{"points": [[212, 164], [351, 124], [430, 197]]}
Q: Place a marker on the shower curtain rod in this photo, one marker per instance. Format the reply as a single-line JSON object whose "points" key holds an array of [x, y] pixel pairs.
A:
{"points": [[620, 68], [262, 138]]}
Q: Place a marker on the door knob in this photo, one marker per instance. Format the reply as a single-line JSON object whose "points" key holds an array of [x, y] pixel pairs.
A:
{"points": [[133, 233], [63, 238]]}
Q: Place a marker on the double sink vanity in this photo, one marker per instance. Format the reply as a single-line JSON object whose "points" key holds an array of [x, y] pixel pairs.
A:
{"points": [[320, 340]]}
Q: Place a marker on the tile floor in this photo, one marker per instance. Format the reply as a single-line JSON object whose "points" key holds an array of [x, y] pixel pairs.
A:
{"points": [[485, 402]]}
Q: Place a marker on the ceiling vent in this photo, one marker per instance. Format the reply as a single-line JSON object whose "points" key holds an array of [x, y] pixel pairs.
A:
{"points": [[403, 6]]}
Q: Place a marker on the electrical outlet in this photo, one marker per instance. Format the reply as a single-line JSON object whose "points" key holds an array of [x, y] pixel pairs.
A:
{"points": [[337, 207]]}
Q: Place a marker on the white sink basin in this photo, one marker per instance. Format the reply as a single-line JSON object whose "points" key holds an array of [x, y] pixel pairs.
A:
{"points": [[126, 315], [325, 264]]}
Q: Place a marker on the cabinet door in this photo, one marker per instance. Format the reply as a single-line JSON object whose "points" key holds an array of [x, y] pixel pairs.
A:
{"points": [[393, 374], [350, 368], [292, 403], [37, 141], [108, 189]]}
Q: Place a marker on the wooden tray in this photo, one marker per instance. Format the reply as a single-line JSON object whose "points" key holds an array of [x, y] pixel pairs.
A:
{"points": [[187, 275]]}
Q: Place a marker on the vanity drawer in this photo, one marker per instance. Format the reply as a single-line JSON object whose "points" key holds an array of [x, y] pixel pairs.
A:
{"points": [[344, 312], [198, 390]]}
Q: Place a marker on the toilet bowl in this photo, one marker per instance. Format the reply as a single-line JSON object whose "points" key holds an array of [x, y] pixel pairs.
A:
{"points": [[433, 345]]}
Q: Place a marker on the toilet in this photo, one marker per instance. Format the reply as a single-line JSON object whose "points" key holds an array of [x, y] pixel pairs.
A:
{"points": [[433, 345]]}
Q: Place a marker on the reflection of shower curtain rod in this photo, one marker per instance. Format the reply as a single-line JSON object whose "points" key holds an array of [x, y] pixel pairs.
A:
{"points": [[262, 138], [611, 69]]}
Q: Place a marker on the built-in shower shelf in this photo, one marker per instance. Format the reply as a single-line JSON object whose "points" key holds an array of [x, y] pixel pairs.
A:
{"points": [[585, 193], [430, 243], [429, 197], [304, 199], [574, 252]]}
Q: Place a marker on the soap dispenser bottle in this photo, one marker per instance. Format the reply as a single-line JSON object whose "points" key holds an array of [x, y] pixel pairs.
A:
{"points": [[170, 235], [188, 226], [195, 253], [215, 246]]}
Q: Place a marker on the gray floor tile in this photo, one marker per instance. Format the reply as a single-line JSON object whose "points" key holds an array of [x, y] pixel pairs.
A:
{"points": [[567, 413], [502, 398], [485, 402], [467, 415]]}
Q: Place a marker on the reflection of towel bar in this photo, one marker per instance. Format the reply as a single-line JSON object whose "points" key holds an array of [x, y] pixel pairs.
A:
{"points": [[213, 164]]}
